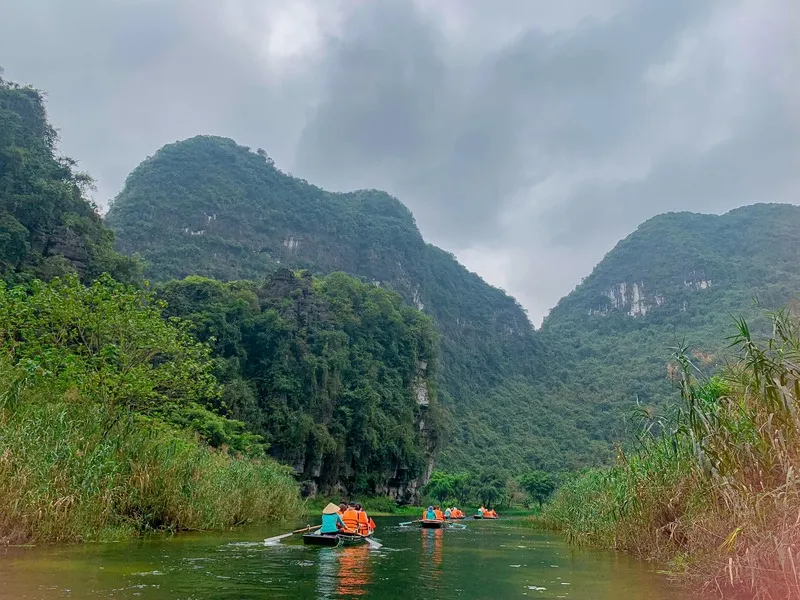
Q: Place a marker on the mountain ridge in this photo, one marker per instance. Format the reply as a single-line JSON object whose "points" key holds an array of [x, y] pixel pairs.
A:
{"points": [[207, 206]]}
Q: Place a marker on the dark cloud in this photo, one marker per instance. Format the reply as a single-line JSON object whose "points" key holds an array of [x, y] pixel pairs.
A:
{"points": [[527, 136]]}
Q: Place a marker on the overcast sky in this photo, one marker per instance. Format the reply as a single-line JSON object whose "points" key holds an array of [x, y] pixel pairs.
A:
{"points": [[527, 136]]}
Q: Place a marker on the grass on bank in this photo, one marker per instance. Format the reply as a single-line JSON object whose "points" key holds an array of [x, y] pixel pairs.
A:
{"points": [[111, 422], [716, 493], [70, 470]]}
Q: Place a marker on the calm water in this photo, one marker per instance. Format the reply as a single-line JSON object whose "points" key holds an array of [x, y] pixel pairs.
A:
{"points": [[486, 560]]}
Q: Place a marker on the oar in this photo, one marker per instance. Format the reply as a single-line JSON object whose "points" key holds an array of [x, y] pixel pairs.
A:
{"points": [[374, 544], [407, 523], [278, 538]]}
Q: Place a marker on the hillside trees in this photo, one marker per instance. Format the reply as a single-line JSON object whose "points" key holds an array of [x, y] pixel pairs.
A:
{"points": [[47, 227], [334, 373]]}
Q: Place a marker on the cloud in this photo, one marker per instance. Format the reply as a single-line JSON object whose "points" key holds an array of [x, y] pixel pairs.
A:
{"points": [[527, 136]]}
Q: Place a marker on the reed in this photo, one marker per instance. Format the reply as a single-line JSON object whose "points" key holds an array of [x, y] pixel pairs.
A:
{"points": [[714, 492], [73, 469]]}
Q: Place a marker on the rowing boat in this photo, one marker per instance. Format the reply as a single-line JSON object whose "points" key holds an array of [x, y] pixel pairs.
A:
{"points": [[478, 516], [431, 524], [318, 539]]}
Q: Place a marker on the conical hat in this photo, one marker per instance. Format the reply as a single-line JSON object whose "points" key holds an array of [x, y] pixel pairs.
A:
{"points": [[331, 509]]}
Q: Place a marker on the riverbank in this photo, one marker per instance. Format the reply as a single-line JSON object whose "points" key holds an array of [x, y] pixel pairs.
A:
{"points": [[108, 428], [716, 496]]}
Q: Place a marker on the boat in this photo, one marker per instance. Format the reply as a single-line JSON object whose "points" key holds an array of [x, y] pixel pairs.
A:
{"points": [[339, 539], [478, 516], [431, 524]]}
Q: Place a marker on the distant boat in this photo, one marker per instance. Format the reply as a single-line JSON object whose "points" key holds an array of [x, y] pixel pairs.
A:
{"points": [[477, 516]]}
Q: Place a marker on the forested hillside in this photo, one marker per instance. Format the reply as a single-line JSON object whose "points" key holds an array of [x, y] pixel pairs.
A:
{"points": [[207, 206], [335, 374], [47, 227], [679, 279]]}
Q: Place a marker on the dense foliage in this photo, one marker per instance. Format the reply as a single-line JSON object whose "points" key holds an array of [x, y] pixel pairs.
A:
{"points": [[106, 416], [206, 206], [336, 374], [716, 492], [693, 272], [47, 227]]}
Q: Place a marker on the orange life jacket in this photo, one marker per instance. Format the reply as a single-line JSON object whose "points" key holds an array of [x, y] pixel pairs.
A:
{"points": [[350, 518], [439, 515], [363, 523]]}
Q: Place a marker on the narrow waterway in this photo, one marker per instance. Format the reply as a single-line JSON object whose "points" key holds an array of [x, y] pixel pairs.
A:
{"points": [[486, 560]]}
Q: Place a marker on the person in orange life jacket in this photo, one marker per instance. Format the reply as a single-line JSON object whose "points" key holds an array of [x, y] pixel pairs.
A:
{"points": [[439, 513], [365, 524], [342, 508], [350, 518]]}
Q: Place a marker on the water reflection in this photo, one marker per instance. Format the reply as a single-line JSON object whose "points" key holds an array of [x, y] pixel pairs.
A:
{"points": [[343, 571], [431, 555]]}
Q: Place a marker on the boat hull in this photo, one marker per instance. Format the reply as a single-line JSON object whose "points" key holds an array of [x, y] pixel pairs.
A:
{"points": [[477, 516], [431, 524], [313, 539]]}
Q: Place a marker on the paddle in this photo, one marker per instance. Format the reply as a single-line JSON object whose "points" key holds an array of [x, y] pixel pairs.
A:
{"points": [[278, 538], [407, 523], [374, 544]]}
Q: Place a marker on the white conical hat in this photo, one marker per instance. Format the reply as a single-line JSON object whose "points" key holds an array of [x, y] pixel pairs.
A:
{"points": [[331, 509]]}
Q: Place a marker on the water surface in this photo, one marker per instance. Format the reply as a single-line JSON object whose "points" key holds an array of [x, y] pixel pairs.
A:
{"points": [[487, 560]]}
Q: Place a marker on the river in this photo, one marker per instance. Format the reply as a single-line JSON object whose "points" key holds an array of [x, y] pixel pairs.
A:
{"points": [[486, 560]]}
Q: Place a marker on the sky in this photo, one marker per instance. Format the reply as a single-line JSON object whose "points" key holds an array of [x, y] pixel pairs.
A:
{"points": [[527, 136]]}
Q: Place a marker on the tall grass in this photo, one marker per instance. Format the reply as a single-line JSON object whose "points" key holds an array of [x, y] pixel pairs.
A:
{"points": [[73, 469], [716, 492]]}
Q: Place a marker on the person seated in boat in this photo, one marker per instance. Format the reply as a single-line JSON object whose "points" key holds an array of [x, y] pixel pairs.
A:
{"points": [[429, 515], [448, 513], [365, 524], [439, 514], [331, 521], [342, 508], [350, 518]]}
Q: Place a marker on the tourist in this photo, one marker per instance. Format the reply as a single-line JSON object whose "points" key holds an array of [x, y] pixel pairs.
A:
{"points": [[331, 521], [363, 521], [350, 518]]}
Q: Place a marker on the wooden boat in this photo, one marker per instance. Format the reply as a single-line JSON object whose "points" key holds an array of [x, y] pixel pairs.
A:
{"points": [[431, 524], [318, 539]]}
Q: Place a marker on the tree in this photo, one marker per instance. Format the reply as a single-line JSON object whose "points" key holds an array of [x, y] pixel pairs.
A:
{"points": [[490, 487], [538, 484], [441, 486]]}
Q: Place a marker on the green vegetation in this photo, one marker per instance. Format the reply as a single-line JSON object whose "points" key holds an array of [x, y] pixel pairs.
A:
{"points": [[539, 485], [337, 375], [206, 206], [692, 273], [716, 492], [107, 419], [490, 487], [47, 227]]}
